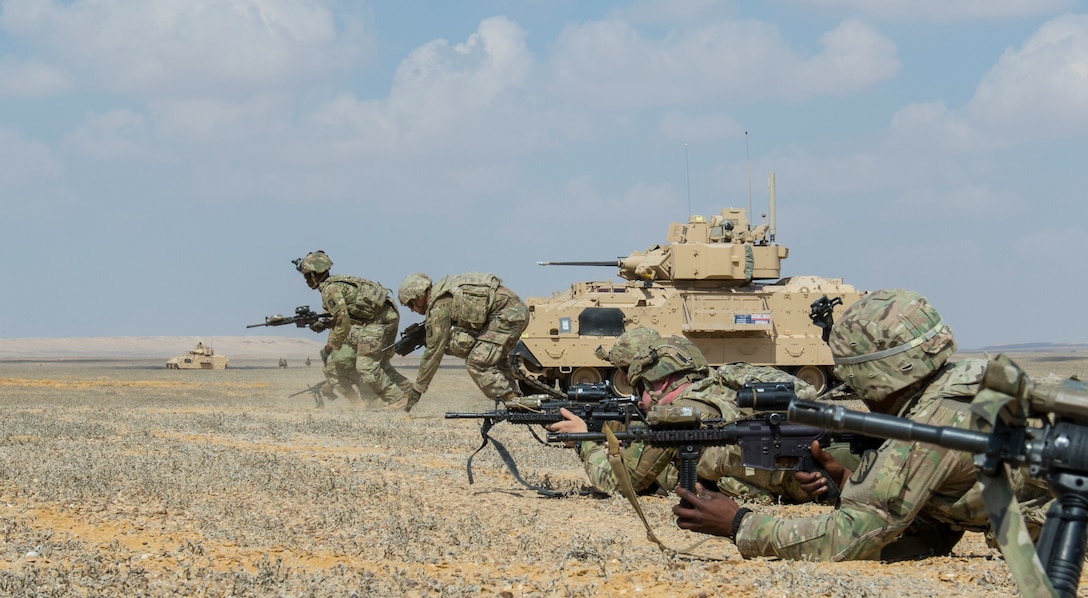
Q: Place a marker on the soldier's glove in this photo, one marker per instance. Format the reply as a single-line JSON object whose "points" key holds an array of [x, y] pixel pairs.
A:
{"points": [[318, 326]]}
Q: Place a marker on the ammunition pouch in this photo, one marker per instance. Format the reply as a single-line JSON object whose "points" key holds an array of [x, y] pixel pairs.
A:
{"points": [[461, 342]]}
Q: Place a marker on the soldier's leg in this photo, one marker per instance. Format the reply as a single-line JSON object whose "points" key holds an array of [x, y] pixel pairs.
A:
{"points": [[341, 367], [370, 361], [488, 363], [390, 321]]}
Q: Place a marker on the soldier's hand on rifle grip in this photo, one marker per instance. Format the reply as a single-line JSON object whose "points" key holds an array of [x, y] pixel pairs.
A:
{"points": [[709, 512], [823, 475]]}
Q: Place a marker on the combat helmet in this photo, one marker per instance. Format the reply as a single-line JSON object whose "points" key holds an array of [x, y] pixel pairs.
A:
{"points": [[315, 262], [414, 286], [664, 356], [887, 341], [625, 348]]}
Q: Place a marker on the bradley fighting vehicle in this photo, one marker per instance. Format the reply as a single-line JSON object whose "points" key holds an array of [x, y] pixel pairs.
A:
{"points": [[715, 281], [201, 357]]}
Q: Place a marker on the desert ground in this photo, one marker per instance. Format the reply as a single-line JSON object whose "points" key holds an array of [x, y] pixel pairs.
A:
{"points": [[121, 477]]}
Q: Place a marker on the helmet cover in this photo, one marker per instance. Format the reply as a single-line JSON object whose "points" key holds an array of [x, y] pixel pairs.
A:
{"points": [[413, 286], [625, 348], [315, 262], [665, 356], [887, 341]]}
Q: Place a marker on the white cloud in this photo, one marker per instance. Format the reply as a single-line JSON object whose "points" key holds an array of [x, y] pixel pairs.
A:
{"points": [[611, 63], [946, 10], [163, 47], [1041, 88], [30, 79], [450, 97], [933, 124]]}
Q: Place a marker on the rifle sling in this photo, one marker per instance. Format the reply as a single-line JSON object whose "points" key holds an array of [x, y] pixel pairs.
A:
{"points": [[507, 459], [623, 481]]}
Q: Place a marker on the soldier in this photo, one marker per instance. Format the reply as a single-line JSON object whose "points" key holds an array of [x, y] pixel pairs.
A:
{"points": [[892, 348], [673, 371], [364, 320], [471, 316]]}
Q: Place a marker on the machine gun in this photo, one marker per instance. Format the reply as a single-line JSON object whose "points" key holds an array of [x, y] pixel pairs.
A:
{"points": [[593, 402], [315, 390], [413, 337], [821, 314], [1056, 450], [303, 317]]}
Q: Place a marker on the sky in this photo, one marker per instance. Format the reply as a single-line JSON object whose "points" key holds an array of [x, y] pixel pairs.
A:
{"points": [[162, 161]]}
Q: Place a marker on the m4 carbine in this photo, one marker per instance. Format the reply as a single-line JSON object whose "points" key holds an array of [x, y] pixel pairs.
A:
{"points": [[413, 337], [303, 317]]}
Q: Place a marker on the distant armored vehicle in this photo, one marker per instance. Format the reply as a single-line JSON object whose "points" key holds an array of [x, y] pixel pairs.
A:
{"points": [[705, 284], [201, 357]]}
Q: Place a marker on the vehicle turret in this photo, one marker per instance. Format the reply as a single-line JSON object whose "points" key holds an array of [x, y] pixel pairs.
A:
{"points": [[716, 280], [722, 250]]}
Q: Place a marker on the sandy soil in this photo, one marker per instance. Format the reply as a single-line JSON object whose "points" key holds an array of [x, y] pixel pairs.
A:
{"points": [[124, 478]]}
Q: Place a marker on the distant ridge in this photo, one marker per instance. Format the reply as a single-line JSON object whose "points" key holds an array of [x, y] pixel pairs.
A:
{"points": [[1030, 347], [157, 347]]}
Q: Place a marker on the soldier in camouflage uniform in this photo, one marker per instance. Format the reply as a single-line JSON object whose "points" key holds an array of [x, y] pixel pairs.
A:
{"points": [[673, 371], [364, 320], [471, 316], [892, 348]]}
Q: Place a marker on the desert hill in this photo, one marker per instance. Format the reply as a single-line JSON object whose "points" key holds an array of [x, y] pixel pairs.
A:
{"points": [[156, 347]]}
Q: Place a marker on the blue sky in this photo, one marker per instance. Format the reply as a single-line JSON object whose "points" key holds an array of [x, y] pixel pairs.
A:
{"points": [[162, 161]]}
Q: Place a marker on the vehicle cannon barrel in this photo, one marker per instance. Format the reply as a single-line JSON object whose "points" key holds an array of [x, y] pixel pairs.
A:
{"points": [[614, 263]]}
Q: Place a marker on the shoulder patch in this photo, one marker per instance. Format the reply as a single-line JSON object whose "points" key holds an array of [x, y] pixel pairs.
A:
{"points": [[868, 458]]}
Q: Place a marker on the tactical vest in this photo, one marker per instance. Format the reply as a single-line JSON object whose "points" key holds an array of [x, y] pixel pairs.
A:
{"points": [[368, 300], [473, 296]]}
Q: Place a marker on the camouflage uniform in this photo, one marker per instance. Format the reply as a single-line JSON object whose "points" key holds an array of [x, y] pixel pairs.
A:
{"points": [[714, 394], [364, 319], [474, 317], [342, 378], [357, 340], [892, 349]]}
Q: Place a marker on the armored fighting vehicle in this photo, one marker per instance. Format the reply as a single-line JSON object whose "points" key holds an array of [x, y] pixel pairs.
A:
{"points": [[715, 281], [201, 357]]}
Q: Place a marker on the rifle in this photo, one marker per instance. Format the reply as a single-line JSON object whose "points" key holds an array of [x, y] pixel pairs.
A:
{"points": [[413, 337], [1056, 449], [316, 391], [593, 402], [303, 317], [763, 440]]}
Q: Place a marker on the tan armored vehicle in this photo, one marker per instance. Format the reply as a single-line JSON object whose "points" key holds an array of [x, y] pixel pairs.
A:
{"points": [[705, 283], [201, 357]]}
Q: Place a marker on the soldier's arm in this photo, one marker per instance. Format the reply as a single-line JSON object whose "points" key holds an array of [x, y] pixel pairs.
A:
{"points": [[332, 299], [879, 501], [438, 324]]}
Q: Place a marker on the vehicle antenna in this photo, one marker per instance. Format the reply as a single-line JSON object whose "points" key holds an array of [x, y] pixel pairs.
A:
{"points": [[748, 159], [687, 174]]}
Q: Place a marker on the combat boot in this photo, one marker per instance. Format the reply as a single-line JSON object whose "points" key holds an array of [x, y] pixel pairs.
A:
{"points": [[412, 399]]}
